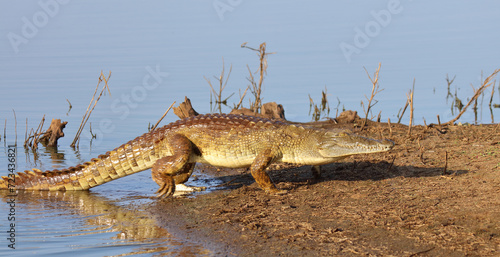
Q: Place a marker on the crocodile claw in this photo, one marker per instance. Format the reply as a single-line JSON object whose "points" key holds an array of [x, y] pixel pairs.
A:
{"points": [[167, 188]]}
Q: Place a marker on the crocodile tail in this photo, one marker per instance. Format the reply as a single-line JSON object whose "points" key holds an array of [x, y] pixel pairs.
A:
{"points": [[37, 180], [129, 158]]}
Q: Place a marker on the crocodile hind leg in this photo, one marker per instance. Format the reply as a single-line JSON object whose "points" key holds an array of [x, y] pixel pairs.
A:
{"points": [[167, 170], [258, 170], [185, 174]]}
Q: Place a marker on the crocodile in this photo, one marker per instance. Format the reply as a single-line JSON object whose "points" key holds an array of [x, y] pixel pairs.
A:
{"points": [[221, 140]]}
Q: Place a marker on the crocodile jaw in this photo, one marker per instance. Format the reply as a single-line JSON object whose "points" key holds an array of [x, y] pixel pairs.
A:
{"points": [[342, 144]]}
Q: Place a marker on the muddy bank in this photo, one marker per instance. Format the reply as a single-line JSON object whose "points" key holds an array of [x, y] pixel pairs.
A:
{"points": [[437, 193]]}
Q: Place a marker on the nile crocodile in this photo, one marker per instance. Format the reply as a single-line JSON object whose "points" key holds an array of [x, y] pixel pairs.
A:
{"points": [[221, 140]]}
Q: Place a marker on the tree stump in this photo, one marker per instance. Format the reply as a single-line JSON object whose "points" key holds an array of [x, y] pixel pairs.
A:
{"points": [[347, 117], [268, 110], [52, 134], [273, 110], [185, 109]]}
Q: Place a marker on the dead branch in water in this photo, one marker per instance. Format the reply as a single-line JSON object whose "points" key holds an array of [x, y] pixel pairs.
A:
{"points": [[323, 109], [222, 86], [491, 101], [449, 82], [86, 116], [492, 93], [26, 133], [486, 83], [15, 125], [70, 106], [34, 135], [375, 90], [256, 88], [5, 130], [400, 114]]}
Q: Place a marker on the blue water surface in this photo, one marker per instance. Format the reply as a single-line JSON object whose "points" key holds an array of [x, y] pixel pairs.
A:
{"points": [[52, 52]]}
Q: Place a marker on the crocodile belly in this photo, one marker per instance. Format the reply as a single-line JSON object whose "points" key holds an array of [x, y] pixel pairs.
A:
{"points": [[227, 160]]}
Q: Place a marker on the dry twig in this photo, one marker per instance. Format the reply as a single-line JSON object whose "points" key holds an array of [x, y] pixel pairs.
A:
{"points": [[256, 88], [445, 162], [86, 116], [34, 135], [154, 127], [222, 86], [26, 133], [392, 163], [375, 90], [409, 96], [390, 127], [492, 93], [486, 83], [323, 109], [241, 98], [449, 82], [400, 115], [69, 109], [15, 125]]}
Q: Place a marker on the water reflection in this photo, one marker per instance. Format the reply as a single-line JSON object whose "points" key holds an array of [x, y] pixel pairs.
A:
{"points": [[52, 158], [85, 223]]}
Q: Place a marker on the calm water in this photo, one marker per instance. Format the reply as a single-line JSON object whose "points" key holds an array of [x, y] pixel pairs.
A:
{"points": [[159, 51]]}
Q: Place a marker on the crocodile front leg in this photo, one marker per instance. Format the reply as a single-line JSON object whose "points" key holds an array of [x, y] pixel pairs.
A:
{"points": [[168, 170], [258, 170]]}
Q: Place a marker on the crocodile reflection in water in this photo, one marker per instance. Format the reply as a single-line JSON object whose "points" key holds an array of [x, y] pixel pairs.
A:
{"points": [[125, 226]]}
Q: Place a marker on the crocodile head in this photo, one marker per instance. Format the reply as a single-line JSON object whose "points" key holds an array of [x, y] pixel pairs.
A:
{"points": [[342, 144]]}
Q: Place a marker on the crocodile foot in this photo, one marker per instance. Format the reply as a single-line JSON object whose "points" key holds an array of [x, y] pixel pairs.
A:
{"points": [[274, 190], [167, 186], [281, 192]]}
